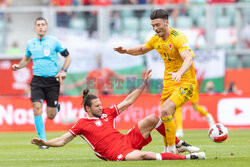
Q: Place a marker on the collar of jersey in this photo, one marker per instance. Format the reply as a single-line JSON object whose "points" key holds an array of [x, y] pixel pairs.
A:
{"points": [[41, 39], [92, 117]]}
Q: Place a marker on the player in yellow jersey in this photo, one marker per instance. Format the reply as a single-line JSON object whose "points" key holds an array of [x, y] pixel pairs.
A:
{"points": [[194, 100], [179, 75]]}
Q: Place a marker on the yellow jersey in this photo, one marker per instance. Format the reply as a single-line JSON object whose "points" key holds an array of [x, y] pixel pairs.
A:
{"points": [[170, 50]]}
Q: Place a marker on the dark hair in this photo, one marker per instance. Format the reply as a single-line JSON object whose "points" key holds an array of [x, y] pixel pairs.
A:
{"points": [[41, 18], [87, 98], [231, 87], [159, 14]]}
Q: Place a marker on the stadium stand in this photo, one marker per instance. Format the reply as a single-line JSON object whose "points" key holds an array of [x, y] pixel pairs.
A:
{"points": [[77, 24], [223, 21], [184, 22], [232, 61]]}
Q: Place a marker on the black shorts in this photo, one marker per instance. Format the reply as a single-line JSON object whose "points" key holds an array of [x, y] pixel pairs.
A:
{"points": [[45, 89]]}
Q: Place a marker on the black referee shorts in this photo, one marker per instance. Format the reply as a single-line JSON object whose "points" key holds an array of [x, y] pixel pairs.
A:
{"points": [[45, 88]]}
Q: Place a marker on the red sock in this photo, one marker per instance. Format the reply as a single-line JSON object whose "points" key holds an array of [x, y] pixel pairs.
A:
{"points": [[177, 140], [161, 130], [171, 156]]}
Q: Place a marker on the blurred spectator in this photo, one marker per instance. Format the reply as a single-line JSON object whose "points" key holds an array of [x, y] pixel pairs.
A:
{"points": [[139, 13], [210, 88], [4, 4], [232, 88], [221, 1], [63, 18], [92, 16], [45, 2], [197, 1], [100, 79], [14, 49], [173, 13], [101, 2], [245, 35], [115, 21]]}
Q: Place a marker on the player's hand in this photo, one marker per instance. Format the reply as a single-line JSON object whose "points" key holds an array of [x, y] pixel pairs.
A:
{"points": [[15, 67], [147, 76], [61, 75], [120, 49], [38, 141], [175, 76]]}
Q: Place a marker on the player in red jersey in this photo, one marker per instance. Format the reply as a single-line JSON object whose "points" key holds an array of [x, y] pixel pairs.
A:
{"points": [[109, 144]]}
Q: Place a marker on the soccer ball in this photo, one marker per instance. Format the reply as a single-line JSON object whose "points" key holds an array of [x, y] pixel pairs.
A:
{"points": [[218, 133]]}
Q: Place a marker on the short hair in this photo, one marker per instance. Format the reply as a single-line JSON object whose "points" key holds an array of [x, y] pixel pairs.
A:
{"points": [[41, 18], [159, 14], [87, 98]]}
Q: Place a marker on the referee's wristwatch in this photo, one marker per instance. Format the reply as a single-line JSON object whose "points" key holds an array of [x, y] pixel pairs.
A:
{"points": [[64, 69]]}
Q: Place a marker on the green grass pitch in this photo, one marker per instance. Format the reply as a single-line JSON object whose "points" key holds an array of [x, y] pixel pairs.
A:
{"points": [[16, 150]]}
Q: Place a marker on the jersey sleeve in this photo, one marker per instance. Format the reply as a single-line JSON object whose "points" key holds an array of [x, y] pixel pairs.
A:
{"points": [[75, 130], [27, 51], [181, 43], [113, 111], [59, 47], [149, 44]]}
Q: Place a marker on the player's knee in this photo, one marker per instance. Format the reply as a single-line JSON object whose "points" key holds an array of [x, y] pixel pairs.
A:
{"points": [[37, 110], [168, 111], [153, 119], [195, 107]]}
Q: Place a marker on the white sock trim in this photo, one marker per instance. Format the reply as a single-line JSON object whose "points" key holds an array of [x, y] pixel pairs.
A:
{"points": [[179, 144], [158, 156], [158, 124]]}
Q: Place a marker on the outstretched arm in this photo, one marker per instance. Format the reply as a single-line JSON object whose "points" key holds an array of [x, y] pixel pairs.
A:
{"points": [[188, 61], [138, 50], [56, 142], [131, 98], [25, 60]]}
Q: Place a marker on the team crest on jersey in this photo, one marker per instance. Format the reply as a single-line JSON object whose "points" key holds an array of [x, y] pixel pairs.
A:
{"points": [[98, 123], [46, 52], [170, 46], [104, 117]]}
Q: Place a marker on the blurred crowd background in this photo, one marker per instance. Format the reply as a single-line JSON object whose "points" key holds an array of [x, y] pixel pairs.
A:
{"points": [[217, 30]]}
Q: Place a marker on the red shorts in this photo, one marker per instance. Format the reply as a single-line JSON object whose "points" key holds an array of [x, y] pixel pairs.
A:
{"points": [[133, 140]]}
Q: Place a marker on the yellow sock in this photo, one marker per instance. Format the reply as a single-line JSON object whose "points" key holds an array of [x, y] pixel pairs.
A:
{"points": [[178, 119], [200, 109], [170, 130]]}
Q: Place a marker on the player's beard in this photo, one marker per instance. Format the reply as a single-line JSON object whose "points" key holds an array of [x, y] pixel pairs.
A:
{"points": [[96, 115]]}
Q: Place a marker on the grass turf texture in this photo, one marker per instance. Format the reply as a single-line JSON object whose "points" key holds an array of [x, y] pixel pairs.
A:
{"points": [[16, 150]]}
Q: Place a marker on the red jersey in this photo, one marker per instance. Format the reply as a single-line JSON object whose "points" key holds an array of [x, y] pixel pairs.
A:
{"points": [[101, 135]]}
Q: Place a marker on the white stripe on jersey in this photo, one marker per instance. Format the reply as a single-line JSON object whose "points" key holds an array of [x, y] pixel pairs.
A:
{"points": [[100, 156], [88, 142], [72, 132], [114, 123], [117, 111]]}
